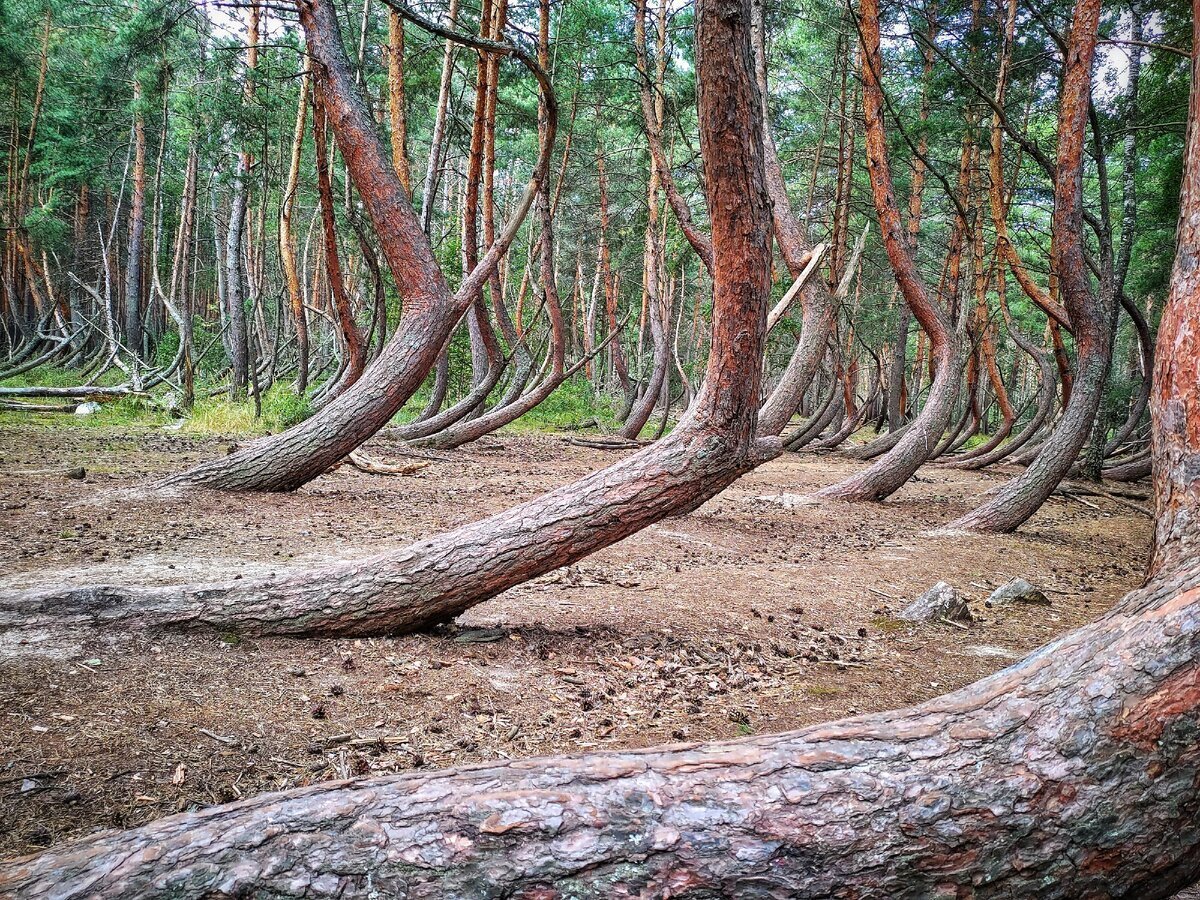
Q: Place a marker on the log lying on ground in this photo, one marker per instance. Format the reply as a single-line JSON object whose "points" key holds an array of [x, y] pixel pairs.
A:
{"points": [[1071, 774]]}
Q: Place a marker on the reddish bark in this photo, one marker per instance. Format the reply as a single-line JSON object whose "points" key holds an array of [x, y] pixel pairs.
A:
{"points": [[1088, 310], [356, 352], [914, 445], [288, 460]]}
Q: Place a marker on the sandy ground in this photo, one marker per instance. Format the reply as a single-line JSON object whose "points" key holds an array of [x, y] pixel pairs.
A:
{"points": [[760, 612]]}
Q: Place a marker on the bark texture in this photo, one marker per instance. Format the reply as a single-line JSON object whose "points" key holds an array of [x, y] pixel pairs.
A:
{"points": [[288, 460], [439, 577]]}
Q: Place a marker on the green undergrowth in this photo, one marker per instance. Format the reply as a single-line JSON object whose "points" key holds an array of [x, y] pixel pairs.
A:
{"points": [[573, 407]]}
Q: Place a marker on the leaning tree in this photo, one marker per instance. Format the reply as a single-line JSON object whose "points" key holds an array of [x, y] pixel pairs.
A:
{"points": [[439, 577], [431, 311], [1074, 773]]}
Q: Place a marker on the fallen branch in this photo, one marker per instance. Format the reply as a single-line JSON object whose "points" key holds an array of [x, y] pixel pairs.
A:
{"points": [[373, 466]]}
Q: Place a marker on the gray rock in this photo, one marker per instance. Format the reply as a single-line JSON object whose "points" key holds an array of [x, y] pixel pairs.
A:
{"points": [[87, 409], [1017, 591], [939, 602]]}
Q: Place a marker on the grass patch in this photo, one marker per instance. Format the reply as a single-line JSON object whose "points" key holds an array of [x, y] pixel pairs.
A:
{"points": [[281, 409]]}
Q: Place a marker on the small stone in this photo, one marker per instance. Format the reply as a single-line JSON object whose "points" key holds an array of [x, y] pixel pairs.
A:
{"points": [[939, 602], [1018, 591]]}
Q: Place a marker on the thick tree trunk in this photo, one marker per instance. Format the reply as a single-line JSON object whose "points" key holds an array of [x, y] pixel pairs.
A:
{"points": [[442, 576], [1069, 775], [290, 459]]}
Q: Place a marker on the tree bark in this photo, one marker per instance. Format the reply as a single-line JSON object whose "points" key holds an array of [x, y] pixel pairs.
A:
{"points": [[137, 228], [288, 460], [1088, 312], [356, 351], [433, 170], [816, 300], [397, 114], [892, 471], [287, 250]]}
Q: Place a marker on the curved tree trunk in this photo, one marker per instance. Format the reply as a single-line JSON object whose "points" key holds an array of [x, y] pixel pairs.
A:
{"points": [[817, 302], [1043, 404], [440, 577], [1089, 314], [892, 471], [464, 432], [288, 460]]}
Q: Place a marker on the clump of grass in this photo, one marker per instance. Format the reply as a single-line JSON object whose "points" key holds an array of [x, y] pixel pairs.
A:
{"points": [[212, 415], [281, 409], [572, 406], [123, 412]]}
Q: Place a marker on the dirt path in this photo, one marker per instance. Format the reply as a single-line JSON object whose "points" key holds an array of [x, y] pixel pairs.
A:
{"points": [[759, 612]]}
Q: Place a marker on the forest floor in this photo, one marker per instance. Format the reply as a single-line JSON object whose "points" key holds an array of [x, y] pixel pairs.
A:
{"points": [[760, 612]]}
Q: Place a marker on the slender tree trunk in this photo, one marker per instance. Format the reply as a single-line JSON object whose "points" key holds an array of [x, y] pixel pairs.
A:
{"points": [[896, 384], [611, 296], [816, 300], [137, 229], [235, 236], [356, 351], [893, 470], [287, 250], [433, 170], [397, 113]]}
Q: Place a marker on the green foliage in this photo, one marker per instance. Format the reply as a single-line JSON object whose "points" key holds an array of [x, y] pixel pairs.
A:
{"points": [[574, 405]]}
